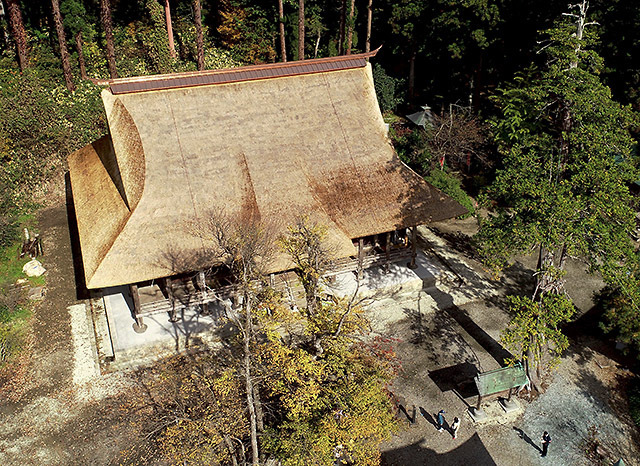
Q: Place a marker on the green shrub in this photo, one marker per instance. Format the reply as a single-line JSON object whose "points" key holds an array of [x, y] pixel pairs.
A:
{"points": [[451, 186], [13, 325], [633, 394], [387, 89], [8, 218]]}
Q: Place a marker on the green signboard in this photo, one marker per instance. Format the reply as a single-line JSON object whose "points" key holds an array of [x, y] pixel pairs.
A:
{"points": [[500, 380]]}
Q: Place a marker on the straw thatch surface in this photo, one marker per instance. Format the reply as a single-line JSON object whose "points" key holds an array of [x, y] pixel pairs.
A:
{"points": [[276, 148]]}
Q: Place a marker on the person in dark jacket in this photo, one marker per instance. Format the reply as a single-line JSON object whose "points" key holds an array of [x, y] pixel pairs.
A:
{"points": [[546, 440], [440, 419]]}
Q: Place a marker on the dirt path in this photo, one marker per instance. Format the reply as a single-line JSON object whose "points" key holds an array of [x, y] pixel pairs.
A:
{"points": [[51, 419]]}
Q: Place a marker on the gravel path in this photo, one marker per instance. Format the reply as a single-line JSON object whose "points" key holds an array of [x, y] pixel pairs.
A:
{"points": [[577, 399]]}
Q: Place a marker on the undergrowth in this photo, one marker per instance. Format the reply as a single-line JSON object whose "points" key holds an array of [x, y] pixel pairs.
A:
{"points": [[15, 309], [451, 186]]}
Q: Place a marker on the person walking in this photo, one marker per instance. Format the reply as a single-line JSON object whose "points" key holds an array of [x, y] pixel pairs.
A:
{"points": [[546, 440], [454, 427], [440, 419]]}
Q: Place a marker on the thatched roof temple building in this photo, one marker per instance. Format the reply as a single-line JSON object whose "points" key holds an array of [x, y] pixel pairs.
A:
{"points": [[275, 140]]}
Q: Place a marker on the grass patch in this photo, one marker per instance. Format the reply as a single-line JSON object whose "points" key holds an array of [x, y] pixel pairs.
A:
{"points": [[11, 263], [15, 319], [15, 309]]}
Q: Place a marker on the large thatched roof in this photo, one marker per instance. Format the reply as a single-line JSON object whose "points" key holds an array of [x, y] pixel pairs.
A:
{"points": [[275, 141]]}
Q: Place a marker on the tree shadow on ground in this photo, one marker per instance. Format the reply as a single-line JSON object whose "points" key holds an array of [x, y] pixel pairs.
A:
{"points": [[437, 334], [474, 280], [458, 378], [458, 241], [445, 303], [585, 331], [517, 280], [471, 451]]}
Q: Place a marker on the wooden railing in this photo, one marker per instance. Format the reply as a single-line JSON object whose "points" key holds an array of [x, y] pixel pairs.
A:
{"points": [[198, 297]]}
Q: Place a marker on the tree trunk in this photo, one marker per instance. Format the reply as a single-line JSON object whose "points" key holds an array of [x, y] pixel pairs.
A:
{"points": [[83, 69], [478, 83], [350, 33], [231, 450], [301, 30], [343, 24], [580, 24], [259, 411], [531, 367], [315, 52], [283, 45], [197, 13], [249, 383], [105, 17], [62, 41], [367, 45], [17, 32], [412, 75], [167, 15]]}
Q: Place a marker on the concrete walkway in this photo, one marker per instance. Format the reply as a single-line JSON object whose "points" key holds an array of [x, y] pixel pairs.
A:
{"points": [[120, 346]]}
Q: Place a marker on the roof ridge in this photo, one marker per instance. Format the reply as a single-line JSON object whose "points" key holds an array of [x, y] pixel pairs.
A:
{"points": [[238, 74]]}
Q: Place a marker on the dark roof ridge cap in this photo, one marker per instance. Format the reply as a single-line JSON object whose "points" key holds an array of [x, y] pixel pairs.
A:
{"points": [[265, 66]]}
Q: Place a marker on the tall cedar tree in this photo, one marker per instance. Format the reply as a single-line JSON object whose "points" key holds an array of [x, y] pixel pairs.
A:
{"points": [[563, 189], [62, 41], [167, 15], [107, 26], [283, 45], [75, 21], [367, 45], [301, 30], [342, 27], [351, 26], [197, 14], [17, 32]]}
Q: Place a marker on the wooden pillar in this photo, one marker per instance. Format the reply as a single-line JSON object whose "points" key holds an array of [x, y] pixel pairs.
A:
{"points": [[414, 248], [360, 258], [168, 285], [510, 393], [138, 326], [202, 284], [387, 245], [479, 400]]}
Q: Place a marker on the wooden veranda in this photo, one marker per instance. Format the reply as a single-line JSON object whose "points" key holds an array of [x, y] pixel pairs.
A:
{"points": [[171, 295]]}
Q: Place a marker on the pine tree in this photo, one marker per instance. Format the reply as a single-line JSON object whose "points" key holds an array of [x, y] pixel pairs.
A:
{"points": [[62, 41], [197, 13], [563, 188], [301, 20], [283, 47], [75, 21], [18, 32], [107, 26]]}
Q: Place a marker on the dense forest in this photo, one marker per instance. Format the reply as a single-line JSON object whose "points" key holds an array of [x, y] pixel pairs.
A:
{"points": [[529, 115]]}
